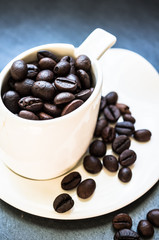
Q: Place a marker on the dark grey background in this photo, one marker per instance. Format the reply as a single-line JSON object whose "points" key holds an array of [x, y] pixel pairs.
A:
{"points": [[25, 24]]}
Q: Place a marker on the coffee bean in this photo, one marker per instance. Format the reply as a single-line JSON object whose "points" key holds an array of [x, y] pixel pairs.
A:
{"points": [[43, 89], [127, 158], [97, 148], [64, 84], [92, 164], [30, 103], [44, 116], [72, 106], [108, 134], [129, 118], [103, 103], [47, 63], [43, 53], [110, 163], [45, 75], [28, 115], [125, 174], [75, 79], [84, 78], [120, 144], [111, 98], [126, 234], [52, 109], [83, 62], [86, 188], [123, 108], [145, 229], [101, 123], [111, 113], [63, 203], [84, 94], [32, 71], [63, 97], [62, 68], [153, 217], [125, 128], [19, 70], [142, 135], [71, 181], [10, 99], [122, 221], [24, 87]]}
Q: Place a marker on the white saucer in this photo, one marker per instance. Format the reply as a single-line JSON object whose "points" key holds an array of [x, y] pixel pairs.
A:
{"points": [[137, 84]]}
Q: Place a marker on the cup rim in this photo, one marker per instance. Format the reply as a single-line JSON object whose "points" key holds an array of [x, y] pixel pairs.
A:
{"points": [[26, 53]]}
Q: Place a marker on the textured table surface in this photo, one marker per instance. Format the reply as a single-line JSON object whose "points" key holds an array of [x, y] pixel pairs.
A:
{"points": [[25, 24]]}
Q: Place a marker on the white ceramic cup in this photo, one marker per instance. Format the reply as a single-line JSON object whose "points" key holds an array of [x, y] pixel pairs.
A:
{"points": [[48, 149]]}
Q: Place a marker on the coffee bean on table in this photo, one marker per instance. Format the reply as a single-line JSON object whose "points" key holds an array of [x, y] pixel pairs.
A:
{"points": [[84, 78], [86, 188], [28, 115], [19, 70], [10, 99], [63, 203], [123, 108], [103, 103], [84, 94], [145, 229], [111, 98], [62, 68], [124, 128], [72, 106], [24, 87], [43, 89], [111, 113], [142, 135], [30, 103], [44, 53], [127, 157], [45, 75], [108, 134], [110, 163], [122, 221], [64, 84], [83, 62], [52, 109], [71, 181], [129, 118], [64, 97], [47, 63], [125, 174], [101, 123], [120, 144], [32, 70], [92, 164], [44, 116], [126, 234], [153, 217], [97, 148]]}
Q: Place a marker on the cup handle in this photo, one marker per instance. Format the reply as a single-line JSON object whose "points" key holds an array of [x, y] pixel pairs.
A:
{"points": [[96, 44]]}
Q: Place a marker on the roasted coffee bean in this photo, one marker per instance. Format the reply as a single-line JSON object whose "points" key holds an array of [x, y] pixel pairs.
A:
{"points": [[84, 94], [43, 53], [111, 98], [103, 103], [142, 135], [10, 99], [153, 217], [63, 203], [110, 163], [28, 115], [120, 144], [84, 78], [44, 116], [111, 113], [71, 181], [83, 62], [97, 148], [92, 164], [86, 188], [101, 123], [126, 234], [122, 221], [43, 89], [24, 87], [127, 158], [129, 118], [45, 75], [125, 128], [108, 134], [76, 79], [72, 106], [19, 70], [32, 70], [125, 174], [52, 109], [62, 68], [72, 63], [64, 84], [30, 103], [145, 229], [63, 97], [123, 108], [47, 63]]}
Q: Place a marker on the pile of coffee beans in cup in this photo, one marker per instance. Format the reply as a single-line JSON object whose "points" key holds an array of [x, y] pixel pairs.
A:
{"points": [[48, 88]]}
